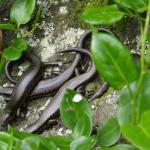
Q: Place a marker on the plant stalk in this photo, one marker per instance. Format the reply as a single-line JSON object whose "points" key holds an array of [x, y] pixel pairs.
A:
{"points": [[144, 30]]}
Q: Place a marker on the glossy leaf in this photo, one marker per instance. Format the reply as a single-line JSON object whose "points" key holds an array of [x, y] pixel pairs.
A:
{"points": [[83, 127], [120, 147], [124, 108], [144, 97], [8, 26], [21, 11], [18, 134], [146, 1], [108, 133], [3, 146], [6, 140], [20, 44], [103, 16], [139, 135], [113, 61], [142, 101], [145, 122], [71, 110], [136, 5], [47, 144], [62, 142], [36, 143], [12, 53], [148, 37], [83, 143], [147, 57]]}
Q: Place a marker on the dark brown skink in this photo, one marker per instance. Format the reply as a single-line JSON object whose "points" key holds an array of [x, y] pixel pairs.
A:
{"points": [[50, 84], [9, 66], [53, 107], [23, 88]]}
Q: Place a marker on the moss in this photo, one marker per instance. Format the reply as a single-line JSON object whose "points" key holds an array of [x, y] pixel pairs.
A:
{"points": [[127, 29], [77, 7], [100, 100]]}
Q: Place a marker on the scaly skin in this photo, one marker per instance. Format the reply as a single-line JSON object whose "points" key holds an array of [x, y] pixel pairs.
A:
{"points": [[52, 109], [23, 88]]}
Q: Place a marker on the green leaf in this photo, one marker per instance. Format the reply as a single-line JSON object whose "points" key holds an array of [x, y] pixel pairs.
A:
{"points": [[83, 143], [136, 5], [142, 101], [29, 143], [124, 108], [21, 11], [63, 142], [83, 127], [145, 122], [146, 2], [3, 146], [120, 147], [8, 26], [46, 144], [103, 16], [36, 143], [32, 141], [20, 44], [147, 59], [5, 138], [139, 135], [144, 97], [12, 53], [136, 136], [18, 134], [108, 133], [72, 111], [148, 37], [113, 61]]}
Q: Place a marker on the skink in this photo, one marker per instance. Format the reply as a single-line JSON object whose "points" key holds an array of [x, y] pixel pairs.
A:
{"points": [[23, 88], [53, 107], [50, 84]]}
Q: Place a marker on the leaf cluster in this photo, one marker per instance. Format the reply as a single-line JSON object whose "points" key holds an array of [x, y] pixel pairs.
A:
{"points": [[20, 14], [76, 116], [117, 66]]}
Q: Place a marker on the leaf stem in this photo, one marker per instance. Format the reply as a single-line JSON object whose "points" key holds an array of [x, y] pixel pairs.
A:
{"points": [[144, 31], [7, 26], [35, 25]]}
